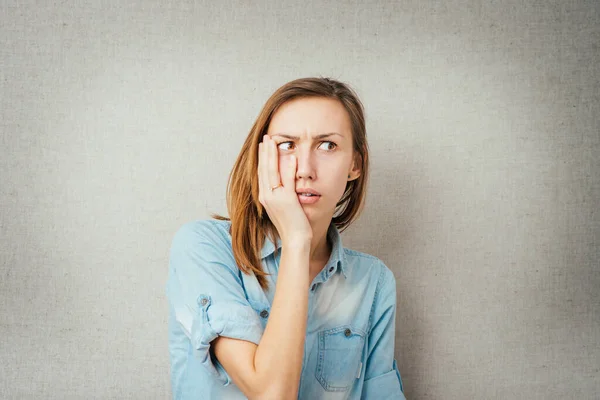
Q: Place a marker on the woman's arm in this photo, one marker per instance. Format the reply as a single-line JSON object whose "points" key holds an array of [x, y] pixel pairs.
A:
{"points": [[272, 369], [382, 378]]}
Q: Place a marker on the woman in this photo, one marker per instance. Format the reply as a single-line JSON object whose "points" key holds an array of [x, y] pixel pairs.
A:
{"points": [[268, 304]]}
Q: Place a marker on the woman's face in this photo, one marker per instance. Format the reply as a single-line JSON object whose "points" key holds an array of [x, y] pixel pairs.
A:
{"points": [[323, 163]]}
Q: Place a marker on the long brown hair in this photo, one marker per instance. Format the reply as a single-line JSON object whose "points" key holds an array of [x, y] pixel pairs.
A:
{"points": [[250, 224]]}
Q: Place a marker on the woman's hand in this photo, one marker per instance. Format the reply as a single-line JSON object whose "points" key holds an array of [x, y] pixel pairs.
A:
{"points": [[281, 204]]}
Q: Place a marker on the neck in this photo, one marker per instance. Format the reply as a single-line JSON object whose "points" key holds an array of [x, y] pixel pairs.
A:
{"points": [[319, 248]]}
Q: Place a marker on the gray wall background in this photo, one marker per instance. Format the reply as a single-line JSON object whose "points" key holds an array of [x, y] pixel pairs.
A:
{"points": [[121, 120]]}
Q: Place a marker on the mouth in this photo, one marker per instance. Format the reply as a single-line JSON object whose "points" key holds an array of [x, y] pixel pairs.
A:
{"points": [[308, 198], [308, 195], [306, 192]]}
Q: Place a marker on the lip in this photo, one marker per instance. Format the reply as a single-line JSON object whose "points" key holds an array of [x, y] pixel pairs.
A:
{"points": [[307, 190], [308, 200]]}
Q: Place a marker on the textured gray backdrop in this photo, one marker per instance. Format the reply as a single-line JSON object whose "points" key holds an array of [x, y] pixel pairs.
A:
{"points": [[121, 120]]}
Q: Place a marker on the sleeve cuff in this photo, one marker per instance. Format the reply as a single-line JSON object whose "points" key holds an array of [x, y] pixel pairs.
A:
{"points": [[387, 386], [229, 319]]}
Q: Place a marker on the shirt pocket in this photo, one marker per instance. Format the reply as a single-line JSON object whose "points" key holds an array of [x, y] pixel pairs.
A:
{"points": [[339, 357]]}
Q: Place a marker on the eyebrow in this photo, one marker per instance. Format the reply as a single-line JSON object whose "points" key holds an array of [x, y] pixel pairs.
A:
{"points": [[321, 136]]}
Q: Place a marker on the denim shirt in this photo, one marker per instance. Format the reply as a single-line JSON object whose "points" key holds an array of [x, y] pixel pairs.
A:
{"points": [[349, 344]]}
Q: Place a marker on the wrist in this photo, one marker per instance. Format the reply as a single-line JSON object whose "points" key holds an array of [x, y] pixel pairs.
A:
{"points": [[298, 243]]}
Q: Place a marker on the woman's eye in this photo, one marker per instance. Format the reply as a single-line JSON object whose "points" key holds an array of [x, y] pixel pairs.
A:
{"points": [[334, 145], [282, 143], [328, 149]]}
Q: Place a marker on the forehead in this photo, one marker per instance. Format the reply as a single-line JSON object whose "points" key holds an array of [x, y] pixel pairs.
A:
{"points": [[311, 115]]}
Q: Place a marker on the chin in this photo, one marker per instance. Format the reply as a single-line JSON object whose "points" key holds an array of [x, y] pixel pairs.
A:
{"points": [[314, 214]]}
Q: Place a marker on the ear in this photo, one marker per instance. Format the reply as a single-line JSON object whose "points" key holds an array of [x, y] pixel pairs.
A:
{"points": [[354, 173]]}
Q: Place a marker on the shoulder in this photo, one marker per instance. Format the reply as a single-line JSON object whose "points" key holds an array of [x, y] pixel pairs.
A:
{"points": [[204, 242], [370, 265], [204, 230]]}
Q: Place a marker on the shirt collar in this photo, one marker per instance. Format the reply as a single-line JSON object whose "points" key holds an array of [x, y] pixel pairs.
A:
{"points": [[337, 258]]}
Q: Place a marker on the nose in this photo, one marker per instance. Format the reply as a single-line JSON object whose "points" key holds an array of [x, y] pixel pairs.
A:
{"points": [[305, 168]]}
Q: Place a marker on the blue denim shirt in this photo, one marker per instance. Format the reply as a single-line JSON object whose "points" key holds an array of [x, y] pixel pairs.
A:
{"points": [[349, 346]]}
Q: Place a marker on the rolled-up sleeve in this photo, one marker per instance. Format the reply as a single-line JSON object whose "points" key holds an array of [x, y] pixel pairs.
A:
{"points": [[206, 294], [382, 378]]}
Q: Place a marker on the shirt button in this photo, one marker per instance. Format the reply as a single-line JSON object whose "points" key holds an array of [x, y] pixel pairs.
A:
{"points": [[347, 332], [331, 269], [264, 313], [203, 301], [313, 287]]}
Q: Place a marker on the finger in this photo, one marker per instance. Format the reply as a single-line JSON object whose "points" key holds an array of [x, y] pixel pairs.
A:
{"points": [[261, 168], [289, 175], [273, 163], [265, 166]]}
